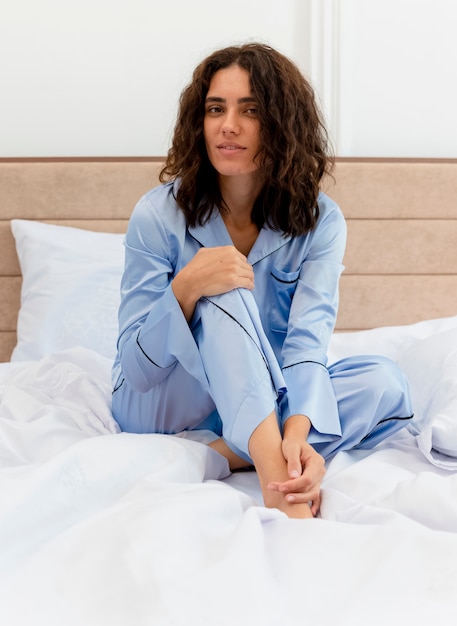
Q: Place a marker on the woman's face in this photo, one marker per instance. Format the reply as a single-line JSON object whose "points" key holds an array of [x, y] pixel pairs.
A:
{"points": [[231, 125]]}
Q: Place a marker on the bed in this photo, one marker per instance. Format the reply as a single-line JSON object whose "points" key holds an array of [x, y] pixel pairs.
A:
{"points": [[100, 527]]}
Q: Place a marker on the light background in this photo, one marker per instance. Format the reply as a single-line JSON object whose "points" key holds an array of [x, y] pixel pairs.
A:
{"points": [[102, 77]]}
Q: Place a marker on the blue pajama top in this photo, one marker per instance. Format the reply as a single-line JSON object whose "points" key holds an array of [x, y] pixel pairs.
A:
{"points": [[296, 292]]}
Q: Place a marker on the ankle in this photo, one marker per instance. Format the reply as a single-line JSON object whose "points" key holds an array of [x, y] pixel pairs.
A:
{"points": [[275, 500]]}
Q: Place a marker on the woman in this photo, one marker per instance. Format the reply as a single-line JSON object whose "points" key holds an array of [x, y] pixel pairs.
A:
{"points": [[230, 288]]}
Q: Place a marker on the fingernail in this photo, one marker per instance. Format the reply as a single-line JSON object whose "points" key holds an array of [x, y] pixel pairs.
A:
{"points": [[290, 498], [294, 474]]}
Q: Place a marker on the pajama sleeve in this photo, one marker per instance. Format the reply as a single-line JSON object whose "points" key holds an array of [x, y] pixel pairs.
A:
{"points": [[153, 332], [311, 322]]}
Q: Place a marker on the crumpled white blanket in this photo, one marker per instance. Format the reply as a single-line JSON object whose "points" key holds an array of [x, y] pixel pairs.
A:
{"points": [[103, 528]]}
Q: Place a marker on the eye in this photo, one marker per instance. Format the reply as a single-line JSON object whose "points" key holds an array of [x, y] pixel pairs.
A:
{"points": [[214, 109]]}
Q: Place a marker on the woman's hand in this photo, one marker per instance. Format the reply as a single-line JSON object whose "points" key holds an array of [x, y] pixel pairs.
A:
{"points": [[306, 467], [212, 271]]}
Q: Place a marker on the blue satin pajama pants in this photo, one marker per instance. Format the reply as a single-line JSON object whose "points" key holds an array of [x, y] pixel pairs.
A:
{"points": [[243, 384]]}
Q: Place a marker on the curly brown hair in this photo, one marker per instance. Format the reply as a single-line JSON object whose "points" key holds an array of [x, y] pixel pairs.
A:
{"points": [[295, 149]]}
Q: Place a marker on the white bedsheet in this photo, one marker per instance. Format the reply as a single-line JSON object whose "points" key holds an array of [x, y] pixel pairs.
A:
{"points": [[101, 528]]}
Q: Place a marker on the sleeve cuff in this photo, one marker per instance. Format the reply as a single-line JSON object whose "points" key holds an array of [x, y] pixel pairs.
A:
{"points": [[164, 339], [310, 392]]}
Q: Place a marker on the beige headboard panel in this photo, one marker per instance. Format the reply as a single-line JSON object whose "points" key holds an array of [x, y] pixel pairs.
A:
{"points": [[401, 256], [401, 260]]}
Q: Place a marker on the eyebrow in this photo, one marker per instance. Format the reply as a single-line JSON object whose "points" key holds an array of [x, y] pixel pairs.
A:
{"points": [[240, 100]]}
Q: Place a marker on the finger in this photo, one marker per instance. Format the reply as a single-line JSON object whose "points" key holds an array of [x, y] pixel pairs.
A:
{"points": [[225, 253], [316, 505], [300, 484], [305, 496], [292, 454], [294, 467], [301, 498], [314, 471], [313, 506], [292, 486], [235, 267], [223, 277]]}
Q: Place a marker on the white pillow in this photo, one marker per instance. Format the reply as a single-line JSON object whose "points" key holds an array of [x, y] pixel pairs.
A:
{"points": [[390, 341], [70, 290], [427, 353], [431, 366]]}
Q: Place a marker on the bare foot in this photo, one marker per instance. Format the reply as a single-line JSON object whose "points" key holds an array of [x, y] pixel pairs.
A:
{"points": [[271, 466], [235, 461]]}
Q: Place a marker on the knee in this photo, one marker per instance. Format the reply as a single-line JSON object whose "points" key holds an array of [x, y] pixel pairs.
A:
{"points": [[374, 380], [388, 381], [389, 371]]}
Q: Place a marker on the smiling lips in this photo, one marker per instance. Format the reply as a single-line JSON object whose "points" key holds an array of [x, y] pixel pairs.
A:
{"points": [[230, 147]]}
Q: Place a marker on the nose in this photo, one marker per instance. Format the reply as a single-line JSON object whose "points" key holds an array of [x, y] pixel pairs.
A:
{"points": [[230, 124]]}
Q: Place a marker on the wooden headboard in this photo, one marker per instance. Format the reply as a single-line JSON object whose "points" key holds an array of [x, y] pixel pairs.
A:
{"points": [[401, 259]]}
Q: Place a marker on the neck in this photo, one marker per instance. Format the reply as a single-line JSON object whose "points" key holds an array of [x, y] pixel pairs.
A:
{"points": [[239, 194]]}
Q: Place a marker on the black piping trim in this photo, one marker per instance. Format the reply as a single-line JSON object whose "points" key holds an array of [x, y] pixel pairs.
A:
{"points": [[396, 417], [387, 419], [243, 328], [118, 386], [301, 363], [286, 282], [150, 360]]}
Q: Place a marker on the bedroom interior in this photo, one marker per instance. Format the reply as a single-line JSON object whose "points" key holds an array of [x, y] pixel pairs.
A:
{"points": [[103, 528]]}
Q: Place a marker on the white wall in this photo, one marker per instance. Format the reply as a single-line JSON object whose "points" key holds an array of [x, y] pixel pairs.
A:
{"points": [[102, 77], [397, 78]]}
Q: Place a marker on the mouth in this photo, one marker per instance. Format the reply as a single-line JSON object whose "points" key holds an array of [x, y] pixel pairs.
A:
{"points": [[230, 146]]}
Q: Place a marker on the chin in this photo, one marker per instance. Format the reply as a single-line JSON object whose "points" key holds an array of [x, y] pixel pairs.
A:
{"points": [[231, 169]]}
